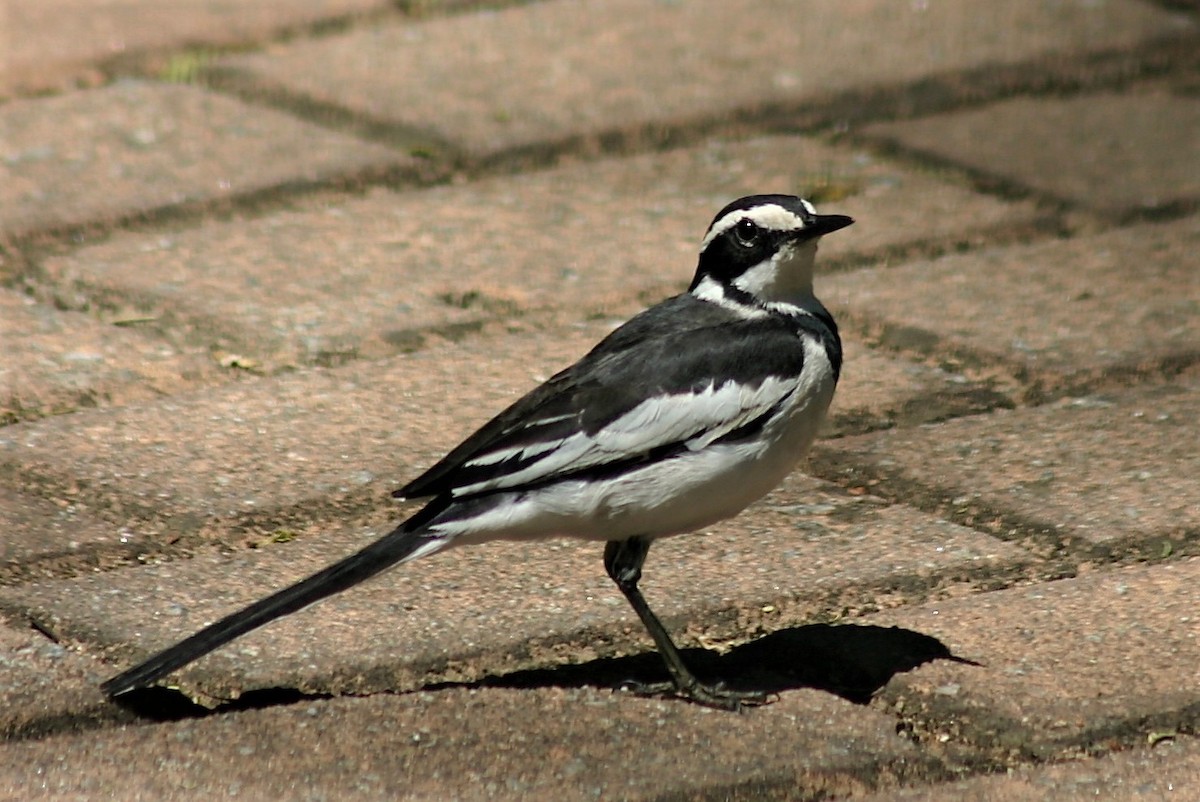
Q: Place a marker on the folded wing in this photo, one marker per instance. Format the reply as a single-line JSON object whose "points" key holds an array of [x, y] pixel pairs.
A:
{"points": [[642, 394]]}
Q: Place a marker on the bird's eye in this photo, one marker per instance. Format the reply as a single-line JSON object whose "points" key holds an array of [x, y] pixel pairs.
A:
{"points": [[746, 232]]}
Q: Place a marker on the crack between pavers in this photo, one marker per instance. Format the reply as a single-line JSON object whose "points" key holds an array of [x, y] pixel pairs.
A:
{"points": [[975, 741], [1028, 387], [419, 143], [160, 536], [186, 533], [1056, 206], [842, 780], [934, 94], [178, 64], [1059, 555], [67, 237], [164, 536], [598, 657], [601, 656], [1042, 226], [87, 719]]}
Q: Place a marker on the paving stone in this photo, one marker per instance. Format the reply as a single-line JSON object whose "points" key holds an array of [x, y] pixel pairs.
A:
{"points": [[51, 44], [1114, 153], [266, 445], [490, 610], [1065, 664], [313, 444], [44, 684], [45, 538], [574, 69], [1099, 468], [133, 147], [556, 745], [369, 277], [1054, 313], [1169, 771], [57, 361], [877, 391]]}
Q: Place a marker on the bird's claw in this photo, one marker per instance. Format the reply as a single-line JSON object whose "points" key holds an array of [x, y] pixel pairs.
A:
{"points": [[717, 696]]}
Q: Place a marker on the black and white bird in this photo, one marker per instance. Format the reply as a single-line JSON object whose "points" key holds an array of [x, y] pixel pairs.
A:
{"points": [[678, 419]]}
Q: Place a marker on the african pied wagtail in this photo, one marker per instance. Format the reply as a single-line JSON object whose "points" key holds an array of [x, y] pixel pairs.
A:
{"points": [[680, 418]]}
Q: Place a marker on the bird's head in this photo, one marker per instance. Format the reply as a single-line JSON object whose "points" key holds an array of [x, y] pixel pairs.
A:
{"points": [[761, 249]]}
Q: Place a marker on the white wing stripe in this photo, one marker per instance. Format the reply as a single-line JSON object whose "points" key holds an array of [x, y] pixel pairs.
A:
{"points": [[695, 418], [520, 452]]}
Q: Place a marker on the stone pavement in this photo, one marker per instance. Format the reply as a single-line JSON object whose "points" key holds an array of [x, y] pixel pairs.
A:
{"points": [[260, 263]]}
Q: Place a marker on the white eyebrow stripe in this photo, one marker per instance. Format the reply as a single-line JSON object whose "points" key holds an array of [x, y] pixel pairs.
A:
{"points": [[771, 217]]}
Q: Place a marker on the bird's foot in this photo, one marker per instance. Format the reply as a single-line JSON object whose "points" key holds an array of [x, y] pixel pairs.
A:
{"points": [[716, 696]]}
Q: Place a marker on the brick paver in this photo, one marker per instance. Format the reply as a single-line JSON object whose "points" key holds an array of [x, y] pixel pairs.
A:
{"points": [[58, 361], [134, 147], [373, 276], [1061, 313], [1100, 467], [1066, 664], [504, 607], [258, 265], [575, 69], [1113, 153], [468, 744], [52, 44]]}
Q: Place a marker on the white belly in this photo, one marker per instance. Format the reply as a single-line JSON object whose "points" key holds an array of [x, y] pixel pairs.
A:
{"points": [[687, 492]]}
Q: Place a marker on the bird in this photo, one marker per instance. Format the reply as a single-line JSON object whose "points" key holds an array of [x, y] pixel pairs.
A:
{"points": [[679, 418]]}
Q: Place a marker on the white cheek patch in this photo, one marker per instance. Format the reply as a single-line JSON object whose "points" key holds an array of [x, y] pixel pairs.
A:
{"points": [[759, 279], [785, 276]]}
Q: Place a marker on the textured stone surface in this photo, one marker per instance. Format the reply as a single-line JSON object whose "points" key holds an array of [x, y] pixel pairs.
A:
{"points": [[493, 609], [58, 361], [556, 745], [1101, 467], [371, 276], [572, 69], [1064, 662], [51, 44], [263, 446], [1054, 312], [47, 537], [1169, 771], [43, 685], [373, 323], [133, 147], [302, 442], [877, 391], [1108, 152]]}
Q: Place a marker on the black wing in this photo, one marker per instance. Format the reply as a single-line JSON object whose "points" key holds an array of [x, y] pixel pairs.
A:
{"points": [[681, 374]]}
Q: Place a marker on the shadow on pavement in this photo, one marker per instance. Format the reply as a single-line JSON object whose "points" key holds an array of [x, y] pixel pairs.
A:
{"points": [[848, 660]]}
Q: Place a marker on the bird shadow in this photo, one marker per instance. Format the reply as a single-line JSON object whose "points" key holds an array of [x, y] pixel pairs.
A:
{"points": [[852, 661]]}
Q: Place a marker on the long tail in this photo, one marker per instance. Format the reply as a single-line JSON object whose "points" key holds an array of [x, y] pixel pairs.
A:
{"points": [[403, 543]]}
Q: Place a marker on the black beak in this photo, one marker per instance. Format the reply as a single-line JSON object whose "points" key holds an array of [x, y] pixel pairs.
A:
{"points": [[823, 224]]}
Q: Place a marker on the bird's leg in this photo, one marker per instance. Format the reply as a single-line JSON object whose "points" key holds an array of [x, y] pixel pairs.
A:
{"points": [[623, 561]]}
